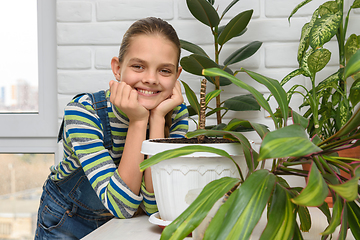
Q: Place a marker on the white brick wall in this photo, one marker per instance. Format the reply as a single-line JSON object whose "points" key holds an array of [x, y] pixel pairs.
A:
{"points": [[89, 34]]}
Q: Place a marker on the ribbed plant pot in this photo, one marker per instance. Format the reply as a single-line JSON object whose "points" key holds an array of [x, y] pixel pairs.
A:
{"points": [[173, 178]]}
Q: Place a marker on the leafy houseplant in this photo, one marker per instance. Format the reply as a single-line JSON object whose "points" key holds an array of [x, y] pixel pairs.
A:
{"points": [[189, 172], [331, 100], [286, 147], [205, 12]]}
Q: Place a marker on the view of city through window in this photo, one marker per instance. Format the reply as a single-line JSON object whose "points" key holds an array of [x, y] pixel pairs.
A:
{"points": [[19, 57], [22, 177]]}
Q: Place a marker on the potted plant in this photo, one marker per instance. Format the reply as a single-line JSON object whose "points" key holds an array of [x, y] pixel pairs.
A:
{"points": [[286, 147], [331, 101], [173, 179]]}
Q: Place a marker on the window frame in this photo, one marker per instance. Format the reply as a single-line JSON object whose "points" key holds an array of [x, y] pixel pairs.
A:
{"points": [[37, 132]]}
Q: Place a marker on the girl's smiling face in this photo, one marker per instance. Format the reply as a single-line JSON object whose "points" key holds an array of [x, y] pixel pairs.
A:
{"points": [[149, 67]]}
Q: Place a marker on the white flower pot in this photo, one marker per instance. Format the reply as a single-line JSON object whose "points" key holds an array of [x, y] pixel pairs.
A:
{"points": [[173, 178]]}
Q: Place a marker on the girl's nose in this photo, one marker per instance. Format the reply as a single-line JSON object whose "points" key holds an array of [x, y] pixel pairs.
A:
{"points": [[150, 78]]}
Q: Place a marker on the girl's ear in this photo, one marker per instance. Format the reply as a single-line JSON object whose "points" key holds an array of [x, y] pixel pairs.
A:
{"points": [[115, 66], [178, 72]]}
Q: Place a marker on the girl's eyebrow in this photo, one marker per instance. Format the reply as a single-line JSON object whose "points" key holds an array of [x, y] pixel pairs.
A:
{"points": [[138, 60]]}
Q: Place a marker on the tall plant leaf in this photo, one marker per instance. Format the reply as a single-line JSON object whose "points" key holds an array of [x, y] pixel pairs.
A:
{"points": [[235, 26], [281, 217], [193, 48], [298, 7], [355, 92], [191, 97], [247, 207], [315, 192], [276, 90], [197, 211], [245, 102], [354, 219], [211, 95], [336, 217], [243, 53], [324, 29], [351, 46], [229, 7], [347, 190], [353, 65], [203, 11], [258, 96], [196, 63], [178, 152], [289, 141], [318, 60]]}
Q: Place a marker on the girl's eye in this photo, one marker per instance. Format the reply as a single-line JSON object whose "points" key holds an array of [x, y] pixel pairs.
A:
{"points": [[137, 67], [166, 71]]}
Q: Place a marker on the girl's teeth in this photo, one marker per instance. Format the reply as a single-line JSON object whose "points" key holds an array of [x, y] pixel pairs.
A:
{"points": [[146, 92]]}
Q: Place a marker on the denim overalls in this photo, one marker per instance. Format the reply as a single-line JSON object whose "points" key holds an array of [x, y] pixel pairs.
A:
{"points": [[70, 208]]}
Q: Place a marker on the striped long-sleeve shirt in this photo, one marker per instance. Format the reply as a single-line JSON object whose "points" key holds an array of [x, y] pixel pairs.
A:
{"points": [[83, 147]]}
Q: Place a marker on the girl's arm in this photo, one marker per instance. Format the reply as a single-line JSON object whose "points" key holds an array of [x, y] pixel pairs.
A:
{"points": [[125, 98]]}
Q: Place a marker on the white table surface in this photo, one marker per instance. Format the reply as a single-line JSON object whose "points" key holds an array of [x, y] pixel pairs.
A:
{"points": [[139, 228], [134, 228]]}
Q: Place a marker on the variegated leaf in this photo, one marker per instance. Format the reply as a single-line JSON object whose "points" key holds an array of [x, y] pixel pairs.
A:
{"points": [[298, 7], [318, 60], [324, 29], [351, 46], [315, 192]]}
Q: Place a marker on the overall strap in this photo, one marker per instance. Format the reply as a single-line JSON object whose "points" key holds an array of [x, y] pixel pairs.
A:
{"points": [[100, 106]]}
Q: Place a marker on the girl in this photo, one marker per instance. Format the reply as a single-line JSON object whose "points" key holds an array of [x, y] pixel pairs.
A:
{"points": [[92, 184]]}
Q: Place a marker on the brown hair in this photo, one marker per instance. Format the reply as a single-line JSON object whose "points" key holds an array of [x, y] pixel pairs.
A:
{"points": [[149, 26], [152, 26]]}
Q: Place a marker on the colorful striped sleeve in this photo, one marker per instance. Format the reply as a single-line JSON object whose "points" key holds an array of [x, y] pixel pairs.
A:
{"points": [[180, 124], [84, 138]]}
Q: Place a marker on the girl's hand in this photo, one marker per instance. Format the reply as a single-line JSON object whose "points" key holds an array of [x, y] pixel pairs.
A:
{"points": [[125, 98], [170, 103]]}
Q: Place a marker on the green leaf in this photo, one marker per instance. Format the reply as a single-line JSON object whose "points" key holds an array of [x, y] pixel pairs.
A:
{"points": [[276, 90], [247, 207], [304, 63], [197, 211], [229, 7], [251, 155], [235, 26], [315, 191], [191, 97], [298, 119], [243, 53], [287, 78], [351, 46], [223, 81], [211, 95], [354, 218], [192, 48], [196, 63], [344, 224], [298, 7], [242, 103], [234, 123], [324, 29], [281, 217], [355, 92], [215, 225], [203, 11], [318, 60], [347, 190], [258, 96], [336, 217], [353, 65], [214, 111], [289, 141], [178, 152], [356, 4], [305, 219]]}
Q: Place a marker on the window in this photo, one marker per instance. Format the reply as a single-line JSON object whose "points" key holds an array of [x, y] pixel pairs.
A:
{"points": [[35, 130]]}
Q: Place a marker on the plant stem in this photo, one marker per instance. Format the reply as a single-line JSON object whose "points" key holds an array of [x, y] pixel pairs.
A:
{"points": [[202, 117], [217, 79]]}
